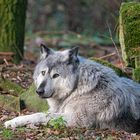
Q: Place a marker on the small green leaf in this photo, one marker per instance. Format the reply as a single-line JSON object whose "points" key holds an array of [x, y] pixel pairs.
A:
{"points": [[98, 138], [57, 123], [8, 134]]}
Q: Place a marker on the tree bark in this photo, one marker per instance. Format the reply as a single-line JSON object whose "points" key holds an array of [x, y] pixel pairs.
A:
{"points": [[12, 26], [129, 35]]}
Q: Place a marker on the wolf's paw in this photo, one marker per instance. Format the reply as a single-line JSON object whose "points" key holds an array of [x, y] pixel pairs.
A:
{"points": [[10, 124]]}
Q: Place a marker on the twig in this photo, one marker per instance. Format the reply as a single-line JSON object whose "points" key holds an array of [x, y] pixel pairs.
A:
{"points": [[6, 62], [106, 56], [7, 53], [115, 46], [14, 68]]}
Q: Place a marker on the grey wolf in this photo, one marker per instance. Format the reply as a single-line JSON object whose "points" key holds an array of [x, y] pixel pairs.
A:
{"points": [[85, 93]]}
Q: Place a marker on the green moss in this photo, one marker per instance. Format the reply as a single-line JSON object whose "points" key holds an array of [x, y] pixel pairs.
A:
{"points": [[136, 74], [118, 71], [130, 31], [10, 102], [9, 86], [32, 101], [137, 62]]}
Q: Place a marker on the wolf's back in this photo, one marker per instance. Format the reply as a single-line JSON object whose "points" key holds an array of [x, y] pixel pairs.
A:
{"points": [[118, 98]]}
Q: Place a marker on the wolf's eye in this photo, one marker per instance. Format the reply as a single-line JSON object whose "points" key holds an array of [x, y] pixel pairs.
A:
{"points": [[55, 75], [43, 72]]}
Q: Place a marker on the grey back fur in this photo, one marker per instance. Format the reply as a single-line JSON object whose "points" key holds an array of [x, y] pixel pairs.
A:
{"points": [[92, 95]]}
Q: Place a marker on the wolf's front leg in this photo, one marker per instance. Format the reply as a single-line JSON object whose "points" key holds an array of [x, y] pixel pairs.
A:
{"points": [[37, 118]]}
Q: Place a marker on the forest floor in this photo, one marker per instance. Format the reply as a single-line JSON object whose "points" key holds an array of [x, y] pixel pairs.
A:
{"points": [[23, 77]]}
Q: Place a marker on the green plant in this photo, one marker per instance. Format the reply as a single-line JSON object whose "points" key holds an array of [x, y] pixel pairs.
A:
{"points": [[7, 134], [109, 138], [57, 123], [81, 137], [98, 138]]}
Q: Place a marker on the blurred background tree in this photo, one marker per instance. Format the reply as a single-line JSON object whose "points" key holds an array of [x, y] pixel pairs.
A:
{"points": [[12, 25], [81, 16]]}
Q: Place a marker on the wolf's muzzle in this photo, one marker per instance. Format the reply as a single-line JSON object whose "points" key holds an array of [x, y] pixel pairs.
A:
{"points": [[40, 92]]}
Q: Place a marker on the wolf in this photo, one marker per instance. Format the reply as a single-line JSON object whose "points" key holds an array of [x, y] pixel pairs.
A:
{"points": [[85, 93]]}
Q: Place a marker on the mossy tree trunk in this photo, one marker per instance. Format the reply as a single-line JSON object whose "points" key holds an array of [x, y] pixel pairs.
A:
{"points": [[130, 36], [12, 26]]}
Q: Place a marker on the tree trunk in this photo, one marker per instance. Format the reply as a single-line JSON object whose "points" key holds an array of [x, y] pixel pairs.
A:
{"points": [[129, 36], [12, 25]]}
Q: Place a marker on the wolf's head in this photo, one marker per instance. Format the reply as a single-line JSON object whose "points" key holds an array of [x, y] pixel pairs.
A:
{"points": [[55, 75]]}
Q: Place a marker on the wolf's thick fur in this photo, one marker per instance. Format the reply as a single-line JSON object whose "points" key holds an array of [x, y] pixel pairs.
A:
{"points": [[85, 93]]}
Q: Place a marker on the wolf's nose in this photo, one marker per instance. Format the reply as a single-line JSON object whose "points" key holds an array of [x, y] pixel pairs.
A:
{"points": [[40, 91]]}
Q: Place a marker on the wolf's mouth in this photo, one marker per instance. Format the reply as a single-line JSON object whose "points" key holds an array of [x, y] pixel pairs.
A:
{"points": [[45, 96]]}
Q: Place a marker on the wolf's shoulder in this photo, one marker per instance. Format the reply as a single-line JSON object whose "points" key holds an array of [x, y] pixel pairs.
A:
{"points": [[91, 65]]}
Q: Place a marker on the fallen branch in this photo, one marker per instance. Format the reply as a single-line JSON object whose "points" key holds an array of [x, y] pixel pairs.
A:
{"points": [[106, 56], [7, 53]]}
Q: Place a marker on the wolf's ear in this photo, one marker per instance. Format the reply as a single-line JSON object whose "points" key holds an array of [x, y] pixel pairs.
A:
{"points": [[45, 51], [73, 52], [72, 55]]}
